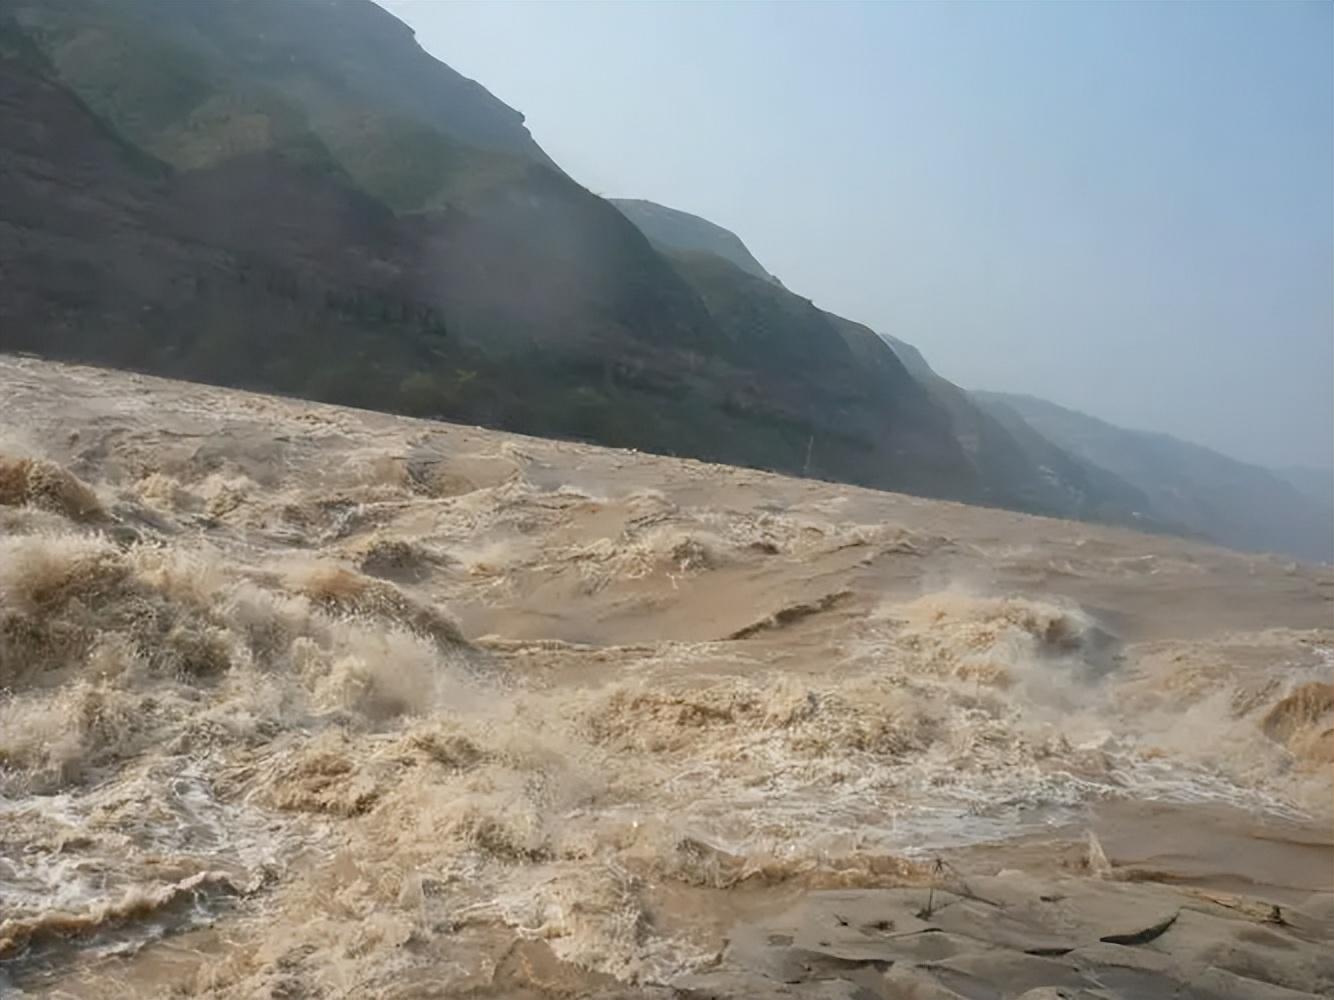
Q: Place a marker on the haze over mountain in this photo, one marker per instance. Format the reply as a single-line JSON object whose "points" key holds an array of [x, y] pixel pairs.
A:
{"points": [[1123, 208], [1238, 504], [1096, 470], [259, 213], [313, 205], [1316, 483]]}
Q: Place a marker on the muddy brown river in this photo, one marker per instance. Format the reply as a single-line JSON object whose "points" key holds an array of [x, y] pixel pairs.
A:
{"points": [[301, 701]]}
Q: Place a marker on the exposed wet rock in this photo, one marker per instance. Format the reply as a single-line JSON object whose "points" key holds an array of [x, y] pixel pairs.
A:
{"points": [[1019, 936]]}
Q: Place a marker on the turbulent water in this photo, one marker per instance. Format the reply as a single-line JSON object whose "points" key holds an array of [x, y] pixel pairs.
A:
{"points": [[301, 701]]}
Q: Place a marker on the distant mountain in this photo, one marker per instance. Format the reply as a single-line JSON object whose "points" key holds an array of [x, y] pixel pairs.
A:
{"points": [[1045, 475], [1009, 466], [290, 195], [1231, 502], [681, 232], [1316, 484], [339, 84], [833, 383]]}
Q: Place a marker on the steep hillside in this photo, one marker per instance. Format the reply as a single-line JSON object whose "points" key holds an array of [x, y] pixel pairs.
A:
{"points": [[267, 272], [1010, 465], [847, 404], [1219, 497], [335, 82], [678, 231], [518, 299], [293, 196], [1043, 475]]}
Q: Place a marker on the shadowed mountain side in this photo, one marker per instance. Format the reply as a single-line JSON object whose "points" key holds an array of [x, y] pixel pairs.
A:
{"points": [[1315, 484], [1023, 454], [857, 404]]}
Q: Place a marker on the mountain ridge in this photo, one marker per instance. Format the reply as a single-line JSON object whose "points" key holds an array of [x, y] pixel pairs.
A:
{"points": [[522, 301], [311, 204], [688, 233], [1030, 474], [1050, 467], [1231, 501]]}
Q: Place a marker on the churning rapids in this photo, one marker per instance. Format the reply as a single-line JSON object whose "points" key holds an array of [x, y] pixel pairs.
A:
{"points": [[302, 701]]}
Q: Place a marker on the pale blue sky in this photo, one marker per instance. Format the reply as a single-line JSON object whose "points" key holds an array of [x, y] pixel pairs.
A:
{"points": [[1122, 207]]}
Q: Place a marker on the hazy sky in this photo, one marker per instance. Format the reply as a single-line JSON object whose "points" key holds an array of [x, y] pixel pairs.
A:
{"points": [[1122, 207]]}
